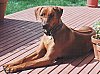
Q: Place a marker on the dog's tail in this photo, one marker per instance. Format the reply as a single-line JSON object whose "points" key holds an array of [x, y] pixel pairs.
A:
{"points": [[87, 30]]}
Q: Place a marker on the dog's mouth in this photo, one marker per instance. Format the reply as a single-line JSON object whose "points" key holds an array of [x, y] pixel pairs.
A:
{"points": [[46, 29], [45, 26]]}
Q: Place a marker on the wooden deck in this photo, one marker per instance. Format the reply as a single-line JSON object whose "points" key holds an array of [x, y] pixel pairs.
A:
{"points": [[20, 35]]}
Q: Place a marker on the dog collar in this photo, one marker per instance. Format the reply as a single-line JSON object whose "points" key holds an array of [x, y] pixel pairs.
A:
{"points": [[53, 30]]}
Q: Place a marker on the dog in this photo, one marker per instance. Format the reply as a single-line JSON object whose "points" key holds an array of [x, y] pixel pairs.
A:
{"points": [[58, 41]]}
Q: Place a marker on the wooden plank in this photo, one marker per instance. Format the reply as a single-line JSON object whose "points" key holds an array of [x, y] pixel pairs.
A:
{"points": [[27, 51], [27, 15], [71, 65], [11, 56], [82, 65], [87, 19], [15, 30], [19, 35], [76, 18], [25, 42], [14, 22], [37, 70], [92, 15], [26, 71], [18, 49], [8, 26], [60, 67], [25, 34], [46, 70], [22, 55], [15, 54], [89, 67], [96, 69], [19, 43], [69, 14]]}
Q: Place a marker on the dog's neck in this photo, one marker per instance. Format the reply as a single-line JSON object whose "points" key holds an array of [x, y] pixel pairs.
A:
{"points": [[54, 29]]}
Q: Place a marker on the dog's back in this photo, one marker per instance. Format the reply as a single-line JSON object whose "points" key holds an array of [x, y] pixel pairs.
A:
{"points": [[82, 41]]}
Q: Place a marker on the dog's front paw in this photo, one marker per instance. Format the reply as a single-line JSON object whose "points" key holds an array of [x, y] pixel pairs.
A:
{"points": [[7, 65], [10, 69]]}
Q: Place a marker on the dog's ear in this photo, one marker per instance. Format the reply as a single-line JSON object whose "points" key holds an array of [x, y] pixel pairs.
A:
{"points": [[37, 12], [59, 11]]}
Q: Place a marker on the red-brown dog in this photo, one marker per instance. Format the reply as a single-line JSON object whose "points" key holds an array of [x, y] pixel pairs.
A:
{"points": [[58, 41]]}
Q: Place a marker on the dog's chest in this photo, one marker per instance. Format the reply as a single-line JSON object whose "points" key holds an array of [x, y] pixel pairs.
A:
{"points": [[48, 40]]}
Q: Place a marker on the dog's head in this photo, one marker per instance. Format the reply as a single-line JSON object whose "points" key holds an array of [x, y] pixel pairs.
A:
{"points": [[49, 16]]}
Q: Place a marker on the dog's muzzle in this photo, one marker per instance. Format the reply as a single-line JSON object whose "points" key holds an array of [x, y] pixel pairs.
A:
{"points": [[45, 26], [46, 29]]}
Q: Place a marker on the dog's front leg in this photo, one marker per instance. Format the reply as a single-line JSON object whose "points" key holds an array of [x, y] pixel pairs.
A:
{"points": [[39, 52], [48, 59], [31, 64]]}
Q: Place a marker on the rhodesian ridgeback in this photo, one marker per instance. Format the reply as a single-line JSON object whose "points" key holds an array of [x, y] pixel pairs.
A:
{"points": [[58, 41]]}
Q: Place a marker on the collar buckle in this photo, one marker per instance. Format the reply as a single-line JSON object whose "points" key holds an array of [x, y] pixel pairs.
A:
{"points": [[53, 30]]}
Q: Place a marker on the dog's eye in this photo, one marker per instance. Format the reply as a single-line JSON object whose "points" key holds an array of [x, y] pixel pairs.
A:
{"points": [[43, 14]]}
